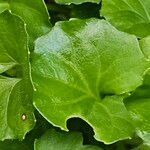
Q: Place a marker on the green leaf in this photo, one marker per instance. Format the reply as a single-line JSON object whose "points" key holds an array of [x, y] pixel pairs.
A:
{"points": [[16, 111], [68, 2], [34, 13], [77, 64], [28, 143], [138, 105], [132, 16], [55, 140], [139, 102]]}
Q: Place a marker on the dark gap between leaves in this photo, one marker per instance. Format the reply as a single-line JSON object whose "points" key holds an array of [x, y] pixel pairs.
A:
{"points": [[79, 125]]}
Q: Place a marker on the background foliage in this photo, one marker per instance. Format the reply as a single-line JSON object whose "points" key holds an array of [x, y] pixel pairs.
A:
{"points": [[74, 75]]}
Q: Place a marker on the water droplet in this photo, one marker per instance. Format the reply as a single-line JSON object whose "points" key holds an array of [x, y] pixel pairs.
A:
{"points": [[24, 117], [35, 89]]}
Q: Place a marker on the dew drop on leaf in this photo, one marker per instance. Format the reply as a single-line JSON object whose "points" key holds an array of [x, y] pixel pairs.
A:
{"points": [[24, 117]]}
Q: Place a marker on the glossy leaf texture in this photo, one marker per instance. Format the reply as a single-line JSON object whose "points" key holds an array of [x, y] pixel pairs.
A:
{"points": [[56, 140], [16, 111], [34, 14], [68, 2], [132, 16], [78, 70]]}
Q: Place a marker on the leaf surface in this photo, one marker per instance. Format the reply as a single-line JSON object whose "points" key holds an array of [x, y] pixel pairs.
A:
{"points": [[16, 88], [79, 68], [61, 140], [138, 104], [132, 16], [34, 13], [145, 46]]}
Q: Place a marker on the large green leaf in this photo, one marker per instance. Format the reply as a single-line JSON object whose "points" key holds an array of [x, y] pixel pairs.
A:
{"points": [[78, 66], [54, 140], [132, 16], [16, 112], [34, 14]]}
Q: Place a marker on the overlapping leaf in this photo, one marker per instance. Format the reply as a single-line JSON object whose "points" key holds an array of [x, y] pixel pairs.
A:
{"points": [[145, 46], [77, 64], [3, 6], [60, 140], [138, 105], [132, 16], [16, 112], [139, 102], [34, 14], [146, 141]]}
